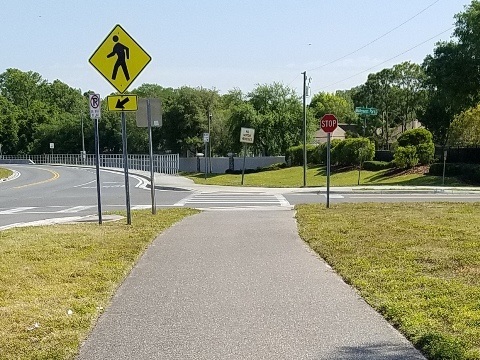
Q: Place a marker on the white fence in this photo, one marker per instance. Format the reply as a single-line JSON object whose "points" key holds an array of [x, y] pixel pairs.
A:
{"points": [[169, 164], [221, 164], [162, 164]]}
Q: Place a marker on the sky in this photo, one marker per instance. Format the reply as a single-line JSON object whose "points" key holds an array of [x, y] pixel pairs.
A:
{"points": [[229, 44]]}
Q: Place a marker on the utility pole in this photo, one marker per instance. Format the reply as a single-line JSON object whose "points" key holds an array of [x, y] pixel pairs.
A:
{"points": [[304, 129]]}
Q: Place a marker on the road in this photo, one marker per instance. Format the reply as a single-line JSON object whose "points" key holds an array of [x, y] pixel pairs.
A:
{"points": [[38, 193], [51, 192]]}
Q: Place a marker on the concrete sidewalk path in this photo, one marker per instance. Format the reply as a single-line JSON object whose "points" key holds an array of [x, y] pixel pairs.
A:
{"points": [[239, 285]]}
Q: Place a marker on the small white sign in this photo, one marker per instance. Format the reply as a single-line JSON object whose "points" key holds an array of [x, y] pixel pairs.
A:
{"points": [[94, 106], [52, 146], [206, 137], [247, 135]]}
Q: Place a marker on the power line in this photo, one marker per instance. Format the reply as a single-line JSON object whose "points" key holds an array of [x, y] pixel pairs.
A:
{"points": [[378, 38], [394, 57]]}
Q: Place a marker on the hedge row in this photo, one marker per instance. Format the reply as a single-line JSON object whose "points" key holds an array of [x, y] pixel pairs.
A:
{"points": [[294, 155], [378, 165], [258, 169], [343, 152], [467, 172]]}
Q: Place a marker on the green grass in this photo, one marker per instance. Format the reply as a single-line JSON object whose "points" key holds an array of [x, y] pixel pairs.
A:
{"points": [[417, 264], [317, 176], [5, 173], [47, 271]]}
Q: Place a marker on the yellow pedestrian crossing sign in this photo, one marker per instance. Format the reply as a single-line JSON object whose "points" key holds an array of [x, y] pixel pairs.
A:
{"points": [[120, 59]]}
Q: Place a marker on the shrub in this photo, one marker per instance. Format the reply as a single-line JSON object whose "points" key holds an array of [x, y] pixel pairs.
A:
{"points": [[294, 155], [352, 151], [422, 140], [426, 153], [377, 165], [415, 137], [467, 172], [406, 157]]}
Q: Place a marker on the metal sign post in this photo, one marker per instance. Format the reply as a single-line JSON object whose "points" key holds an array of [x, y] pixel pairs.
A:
{"points": [[97, 171], [150, 146], [125, 167], [206, 140], [246, 137], [328, 123], [120, 59], [244, 156], [95, 115], [328, 170]]}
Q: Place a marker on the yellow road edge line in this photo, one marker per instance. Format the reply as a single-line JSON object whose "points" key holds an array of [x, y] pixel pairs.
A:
{"points": [[55, 177]]}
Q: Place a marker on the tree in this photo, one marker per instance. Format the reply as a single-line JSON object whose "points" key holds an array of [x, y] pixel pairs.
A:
{"points": [[410, 80], [398, 94], [243, 115], [8, 126], [21, 88], [326, 103], [280, 118], [377, 92], [453, 74], [186, 118], [465, 128]]}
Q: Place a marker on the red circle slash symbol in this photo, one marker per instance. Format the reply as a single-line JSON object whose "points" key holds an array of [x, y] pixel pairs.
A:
{"points": [[95, 101]]}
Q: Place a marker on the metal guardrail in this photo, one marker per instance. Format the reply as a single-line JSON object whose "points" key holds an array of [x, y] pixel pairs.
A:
{"points": [[162, 164]]}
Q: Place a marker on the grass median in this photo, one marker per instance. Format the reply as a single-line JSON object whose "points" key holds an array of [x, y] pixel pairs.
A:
{"points": [[317, 176], [5, 173], [417, 264], [56, 280]]}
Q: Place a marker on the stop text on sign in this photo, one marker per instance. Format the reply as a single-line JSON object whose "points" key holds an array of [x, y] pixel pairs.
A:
{"points": [[328, 123]]}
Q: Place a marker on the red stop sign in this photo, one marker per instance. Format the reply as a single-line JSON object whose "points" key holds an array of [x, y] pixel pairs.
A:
{"points": [[328, 123]]}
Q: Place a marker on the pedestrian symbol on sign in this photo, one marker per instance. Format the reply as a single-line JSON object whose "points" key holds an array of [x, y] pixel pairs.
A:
{"points": [[120, 59], [123, 54]]}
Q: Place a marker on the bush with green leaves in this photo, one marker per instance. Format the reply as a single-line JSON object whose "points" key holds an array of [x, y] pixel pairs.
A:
{"points": [[422, 141], [323, 150], [377, 165], [294, 155], [469, 173], [353, 151], [406, 157]]}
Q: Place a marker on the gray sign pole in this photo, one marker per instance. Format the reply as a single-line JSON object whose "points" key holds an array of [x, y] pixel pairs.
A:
{"points": [[244, 156], [125, 167], [150, 143], [328, 170], [97, 170], [205, 158]]}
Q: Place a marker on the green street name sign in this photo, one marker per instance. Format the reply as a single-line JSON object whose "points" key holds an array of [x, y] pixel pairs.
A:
{"points": [[366, 111]]}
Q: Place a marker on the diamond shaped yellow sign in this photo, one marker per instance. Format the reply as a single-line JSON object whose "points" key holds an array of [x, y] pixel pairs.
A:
{"points": [[120, 59]]}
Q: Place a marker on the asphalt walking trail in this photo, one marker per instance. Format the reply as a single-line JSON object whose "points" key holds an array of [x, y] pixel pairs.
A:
{"points": [[239, 285]]}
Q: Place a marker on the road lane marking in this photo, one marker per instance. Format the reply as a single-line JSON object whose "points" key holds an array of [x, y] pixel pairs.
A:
{"points": [[55, 177]]}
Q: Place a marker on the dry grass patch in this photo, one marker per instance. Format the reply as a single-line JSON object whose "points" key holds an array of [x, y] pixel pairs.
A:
{"points": [[56, 280], [5, 173]]}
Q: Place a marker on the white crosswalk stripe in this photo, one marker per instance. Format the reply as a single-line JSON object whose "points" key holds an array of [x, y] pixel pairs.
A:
{"points": [[75, 209], [225, 199], [15, 210]]}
